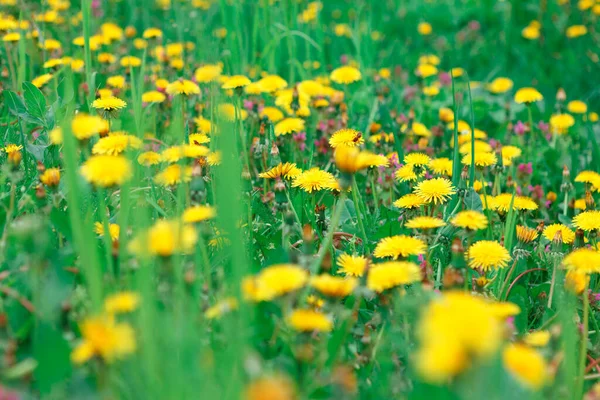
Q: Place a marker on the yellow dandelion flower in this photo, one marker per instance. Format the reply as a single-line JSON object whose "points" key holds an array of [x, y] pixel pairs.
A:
{"points": [[289, 125], [470, 219], [173, 175], [104, 337], [109, 104], [390, 274], [417, 159], [406, 173], [198, 213], [352, 265], [425, 222], [115, 144], [345, 75], [113, 229], [560, 123], [526, 364], [287, 171], [559, 231], [273, 114], [528, 95], [208, 73], [500, 85], [346, 137], [577, 107], [487, 255], [123, 302], [441, 166], [106, 171], [587, 220], [184, 87], [526, 234], [334, 286], [235, 82], [309, 321], [149, 158], [576, 31], [409, 201], [315, 179], [153, 96], [399, 246], [436, 190]]}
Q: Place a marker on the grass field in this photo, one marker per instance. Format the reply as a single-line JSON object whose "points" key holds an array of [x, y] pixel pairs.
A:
{"points": [[284, 199]]}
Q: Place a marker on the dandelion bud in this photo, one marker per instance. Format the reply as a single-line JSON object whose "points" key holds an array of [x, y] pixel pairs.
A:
{"points": [[589, 200], [50, 177], [15, 158], [566, 173], [561, 95]]}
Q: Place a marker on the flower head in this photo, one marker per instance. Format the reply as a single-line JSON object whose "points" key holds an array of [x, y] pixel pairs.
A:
{"points": [[346, 137], [470, 219], [309, 321], [399, 246], [528, 95], [345, 75], [390, 274], [106, 171], [352, 265], [559, 232], [487, 254], [436, 190], [587, 220], [315, 179]]}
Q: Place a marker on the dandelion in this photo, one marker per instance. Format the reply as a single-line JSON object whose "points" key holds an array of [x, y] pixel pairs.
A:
{"points": [[399, 246], [470, 219], [437, 190], [577, 107], [104, 337], [526, 365], [309, 321], [106, 171], [455, 329], [487, 255], [198, 213], [115, 144], [352, 265], [441, 166], [525, 234], [500, 85], [221, 308], [576, 31], [560, 123], [345, 75], [113, 229], [289, 125], [123, 302], [388, 275], [109, 104], [183, 87], [334, 286], [275, 281], [346, 137], [208, 73], [587, 220], [409, 201], [583, 260], [286, 170], [164, 239], [235, 82], [560, 232], [149, 158], [424, 222], [528, 95], [50, 177], [173, 175], [315, 179]]}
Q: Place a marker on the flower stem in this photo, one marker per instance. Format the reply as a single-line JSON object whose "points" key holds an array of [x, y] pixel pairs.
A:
{"points": [[359, 215]]}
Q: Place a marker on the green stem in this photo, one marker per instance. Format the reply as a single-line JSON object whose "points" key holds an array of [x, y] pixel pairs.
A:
{"points": [[359, 215]]}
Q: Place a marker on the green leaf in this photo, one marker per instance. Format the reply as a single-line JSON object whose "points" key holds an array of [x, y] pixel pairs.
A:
{"points": [[14, 103], [473, 201], [52, 353], [35, 102]]}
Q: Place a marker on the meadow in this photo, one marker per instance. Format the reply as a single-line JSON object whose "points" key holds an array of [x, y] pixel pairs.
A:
{"points": [[292, 199]]}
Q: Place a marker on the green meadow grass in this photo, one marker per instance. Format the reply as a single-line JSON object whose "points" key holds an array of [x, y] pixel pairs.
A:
{"points": [[55, 271]]}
